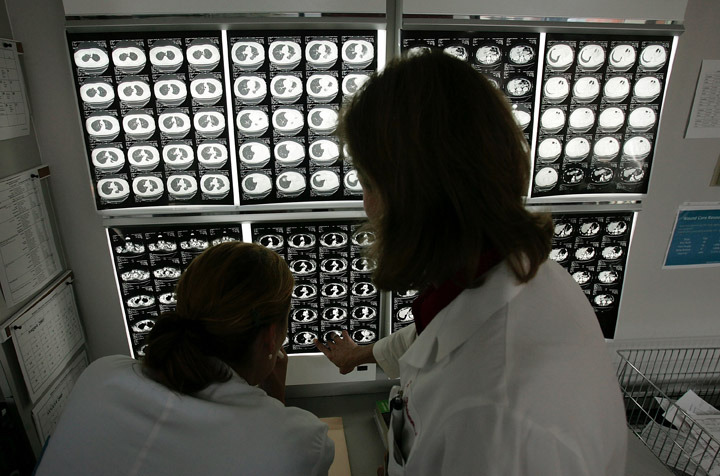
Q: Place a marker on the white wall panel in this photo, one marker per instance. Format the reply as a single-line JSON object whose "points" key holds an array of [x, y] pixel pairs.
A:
{"points": [[182, 7], [621, 9], [662, 303], [40, 26]]}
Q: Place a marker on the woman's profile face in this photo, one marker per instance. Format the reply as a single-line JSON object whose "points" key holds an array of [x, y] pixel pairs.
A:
{"points": [[284, 331], [371, 202]]}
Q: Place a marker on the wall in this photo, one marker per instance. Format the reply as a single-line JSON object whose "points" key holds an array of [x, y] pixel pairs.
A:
{"points": [[640, 9], [635, 9], [676, 303], [175, 7], [21, 153], [17, 154], [674, 306], [40, 25]]}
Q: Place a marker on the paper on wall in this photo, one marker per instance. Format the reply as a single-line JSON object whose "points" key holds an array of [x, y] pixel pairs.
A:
{"points": [[704, 120]]}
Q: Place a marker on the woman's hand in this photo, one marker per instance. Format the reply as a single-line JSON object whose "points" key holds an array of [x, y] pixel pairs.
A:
{"points": [[345, 353], [274, 383]]}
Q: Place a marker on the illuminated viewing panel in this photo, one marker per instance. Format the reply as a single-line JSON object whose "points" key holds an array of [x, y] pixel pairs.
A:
{"points": [[287, 91], [592, 247], [333, 290], [599, 97], [600, 106], [155, 120], [202, 118], [509, 61]]}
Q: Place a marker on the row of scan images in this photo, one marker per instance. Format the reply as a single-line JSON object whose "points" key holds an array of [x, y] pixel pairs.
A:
{"points": [[509, 72], [173, 90], [141, 125], [333, 290], [138, 90], [168, 55], [333, 287], [180, 187], [592, 247], [489, 53]]}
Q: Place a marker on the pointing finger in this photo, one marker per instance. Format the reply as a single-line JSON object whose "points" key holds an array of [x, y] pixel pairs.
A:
{"points": [[322, 348]]}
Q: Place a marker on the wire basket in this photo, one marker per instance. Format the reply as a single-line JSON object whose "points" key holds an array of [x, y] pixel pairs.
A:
{"points": [[651, 381]]}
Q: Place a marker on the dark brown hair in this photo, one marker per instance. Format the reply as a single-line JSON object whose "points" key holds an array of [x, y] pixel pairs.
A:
{"points": [[224, 297], [439, 146]]}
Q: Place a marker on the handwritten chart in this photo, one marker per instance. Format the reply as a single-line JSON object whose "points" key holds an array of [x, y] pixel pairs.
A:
{"points": [[14, 112], [48, 410], [705, 114], [46, 336], [29, 259]]}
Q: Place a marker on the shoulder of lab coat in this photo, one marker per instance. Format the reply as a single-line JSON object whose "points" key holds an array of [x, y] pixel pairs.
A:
{"points": [[529, 344], [460, 319], [117, 421], [498, 289], [388, 350]]}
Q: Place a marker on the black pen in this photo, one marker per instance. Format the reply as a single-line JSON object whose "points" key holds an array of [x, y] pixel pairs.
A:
{"points": [[396, 408]]}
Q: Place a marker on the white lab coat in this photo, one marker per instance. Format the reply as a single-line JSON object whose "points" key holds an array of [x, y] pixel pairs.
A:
{"points": [[507, 380], [119, 422]]}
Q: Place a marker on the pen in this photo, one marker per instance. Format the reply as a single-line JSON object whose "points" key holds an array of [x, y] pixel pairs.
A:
{"points": [[396, 425], [396, 408], [396, 404]]}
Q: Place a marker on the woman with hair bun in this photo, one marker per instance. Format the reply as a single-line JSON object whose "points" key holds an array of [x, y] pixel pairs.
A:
{"points": [[505, 370], [208, 397]]}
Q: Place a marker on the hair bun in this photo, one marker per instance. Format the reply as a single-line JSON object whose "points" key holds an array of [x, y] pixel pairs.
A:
{"points": [[171, 321]]}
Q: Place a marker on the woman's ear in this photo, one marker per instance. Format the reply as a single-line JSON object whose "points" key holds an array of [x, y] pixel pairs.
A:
{"points": [[273, 336], [268, 338]]}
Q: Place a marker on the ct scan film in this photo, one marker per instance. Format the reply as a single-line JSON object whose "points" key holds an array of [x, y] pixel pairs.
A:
{"points": [[154, 114], [218, 118], [333, 290], [599, 111], [287, 91]]}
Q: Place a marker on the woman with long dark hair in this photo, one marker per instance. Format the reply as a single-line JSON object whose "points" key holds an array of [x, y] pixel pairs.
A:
{"points": [[505, 371]]}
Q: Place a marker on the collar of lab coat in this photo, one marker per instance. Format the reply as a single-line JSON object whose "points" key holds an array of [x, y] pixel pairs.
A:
{"points": [[231, 392], [462, 317]]}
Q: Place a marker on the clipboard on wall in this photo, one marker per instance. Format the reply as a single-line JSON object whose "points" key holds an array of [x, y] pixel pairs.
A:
{"points": [[46, 334], [29, 255], [46, 413]]}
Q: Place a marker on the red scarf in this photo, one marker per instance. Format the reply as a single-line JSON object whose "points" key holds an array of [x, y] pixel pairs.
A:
{"points": [[434, 299]]}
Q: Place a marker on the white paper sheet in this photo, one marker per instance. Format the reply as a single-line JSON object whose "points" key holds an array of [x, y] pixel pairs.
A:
{"points": [[29, 259], [661, 441], [46, 336], [698, 430], [705, 113], [46, 413], [14, 111]]}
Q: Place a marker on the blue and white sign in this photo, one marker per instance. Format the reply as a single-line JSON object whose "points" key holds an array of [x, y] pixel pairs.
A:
{"points": [[696, 238]]}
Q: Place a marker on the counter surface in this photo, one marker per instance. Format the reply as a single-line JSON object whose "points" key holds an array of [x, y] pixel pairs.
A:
{"points": [[365, 448]]}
